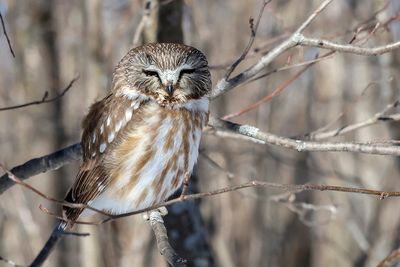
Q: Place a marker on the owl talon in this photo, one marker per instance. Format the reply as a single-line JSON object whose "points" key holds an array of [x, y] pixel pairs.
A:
{"points": [[162, 210]]}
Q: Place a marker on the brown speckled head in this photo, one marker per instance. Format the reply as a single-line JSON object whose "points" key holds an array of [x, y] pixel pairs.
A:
{"points": [[166, 72]]}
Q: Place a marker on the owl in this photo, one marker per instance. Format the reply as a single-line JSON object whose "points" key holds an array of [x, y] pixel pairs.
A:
{"points": [[142, 139]]}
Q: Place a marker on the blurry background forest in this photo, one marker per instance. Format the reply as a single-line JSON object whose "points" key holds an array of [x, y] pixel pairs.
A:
{"points": [[54, 41]]}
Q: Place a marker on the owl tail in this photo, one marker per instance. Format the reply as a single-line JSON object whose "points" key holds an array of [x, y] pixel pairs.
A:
{"points": [[48, 247]]}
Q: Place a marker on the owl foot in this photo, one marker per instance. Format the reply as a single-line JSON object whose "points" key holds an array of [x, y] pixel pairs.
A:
{"points": [[162, 210]]}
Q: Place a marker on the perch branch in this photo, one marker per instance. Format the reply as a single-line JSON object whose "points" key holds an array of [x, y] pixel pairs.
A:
{"points": [[157, 224], [293, 188]]}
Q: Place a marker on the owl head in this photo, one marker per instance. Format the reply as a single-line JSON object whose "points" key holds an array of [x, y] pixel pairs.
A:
{"points": [[165, 72]]}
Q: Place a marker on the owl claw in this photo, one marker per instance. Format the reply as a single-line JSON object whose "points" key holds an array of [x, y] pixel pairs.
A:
{"points": [[162, 210]]}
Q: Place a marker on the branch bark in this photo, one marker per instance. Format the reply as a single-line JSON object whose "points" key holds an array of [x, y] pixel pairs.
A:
{"points": [[301, 145], [42, 164], [157, 224]]}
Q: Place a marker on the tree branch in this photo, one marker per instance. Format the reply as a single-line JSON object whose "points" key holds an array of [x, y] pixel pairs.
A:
{"points": [[253, 31], [44, 98], [301, 145], [225, 84], [46, 163], [346, 48], [378, 117], [157, 224], [296, 39]]}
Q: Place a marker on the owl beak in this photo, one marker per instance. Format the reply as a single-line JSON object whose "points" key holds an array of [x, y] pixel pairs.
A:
{"points": [[170, 89]]}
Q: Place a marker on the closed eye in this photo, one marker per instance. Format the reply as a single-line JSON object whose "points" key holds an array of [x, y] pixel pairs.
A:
{"points": [[151, 73], [186, 71]]}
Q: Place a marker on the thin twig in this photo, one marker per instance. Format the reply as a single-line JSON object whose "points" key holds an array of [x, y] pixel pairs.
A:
{"points": [[301, 64], [44, 98], [75, 234], [274, 93], [256, 51], [313, 16], [293, 188], [38, 192], [378, 117], [253, 31], [185, 185], [5, 33]]}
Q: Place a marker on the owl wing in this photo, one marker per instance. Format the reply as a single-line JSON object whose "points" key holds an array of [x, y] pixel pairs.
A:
{"points": [[105, 121]]}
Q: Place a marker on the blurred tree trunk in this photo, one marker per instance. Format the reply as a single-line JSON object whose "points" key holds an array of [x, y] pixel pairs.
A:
{"points": [[185, 226], [47, 21]]}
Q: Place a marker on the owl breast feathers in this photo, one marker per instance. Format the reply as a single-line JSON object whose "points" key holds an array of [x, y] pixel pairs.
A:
{"points": [[141, 140]]}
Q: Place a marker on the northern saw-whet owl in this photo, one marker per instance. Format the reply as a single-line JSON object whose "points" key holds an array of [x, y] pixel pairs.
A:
{"points": [[142, 139]]}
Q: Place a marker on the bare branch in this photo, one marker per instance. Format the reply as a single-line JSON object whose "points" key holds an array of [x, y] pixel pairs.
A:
{"points": [[301, 145], [346, 48], [5, 33], [287, 67], [46, 163], [276, 92], [313, 16], [378, 117], [157, 224], [287, 187], [253, 30], [44, 98], [298, 39], [225, 84]]}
